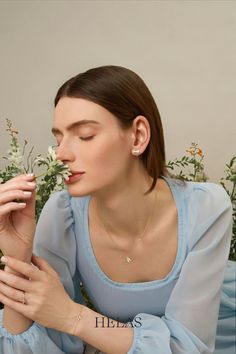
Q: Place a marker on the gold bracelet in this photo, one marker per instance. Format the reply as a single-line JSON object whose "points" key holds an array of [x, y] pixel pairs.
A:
{"points": [[77, 318]]}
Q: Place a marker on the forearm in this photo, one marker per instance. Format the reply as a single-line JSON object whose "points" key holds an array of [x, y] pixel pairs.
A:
{"points": [[103, 333], [13, 321]]}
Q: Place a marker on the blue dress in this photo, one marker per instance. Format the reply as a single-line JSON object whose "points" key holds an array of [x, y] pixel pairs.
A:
{"points": [[190, 311]]}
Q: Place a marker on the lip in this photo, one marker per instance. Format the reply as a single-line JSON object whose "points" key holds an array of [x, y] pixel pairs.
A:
{"points": [[75, 176], [76, 172]]}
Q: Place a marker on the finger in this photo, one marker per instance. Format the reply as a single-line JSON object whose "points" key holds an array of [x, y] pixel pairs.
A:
{"points": [[15, 305], [14, 194], [15, 281], [30, 205], [43, 265], [20, 185], [7, 208], [28, 194], [23, 176], [23, 268], [12, 293]]}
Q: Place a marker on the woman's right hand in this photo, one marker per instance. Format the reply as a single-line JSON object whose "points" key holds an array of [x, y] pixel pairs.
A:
{"points": [[17, 221]]}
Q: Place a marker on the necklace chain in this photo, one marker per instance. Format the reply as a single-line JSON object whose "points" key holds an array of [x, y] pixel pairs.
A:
{"points": [[140, 238]]}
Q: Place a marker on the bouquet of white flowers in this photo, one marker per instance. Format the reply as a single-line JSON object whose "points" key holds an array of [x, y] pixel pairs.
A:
{"points": [[49, 181]]}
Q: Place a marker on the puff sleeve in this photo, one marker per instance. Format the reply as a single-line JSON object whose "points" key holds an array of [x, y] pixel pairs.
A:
{"points": [[54, 241], [190, 320]]}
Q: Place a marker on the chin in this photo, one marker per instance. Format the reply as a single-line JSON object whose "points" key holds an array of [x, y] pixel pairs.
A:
{"points": [[74, 191]]}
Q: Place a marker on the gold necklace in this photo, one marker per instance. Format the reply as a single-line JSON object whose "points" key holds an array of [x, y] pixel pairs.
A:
{"points": [[127, 258]]}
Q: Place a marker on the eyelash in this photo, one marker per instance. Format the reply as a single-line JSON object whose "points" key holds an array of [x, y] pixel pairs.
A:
{"points": [[88, 138]]}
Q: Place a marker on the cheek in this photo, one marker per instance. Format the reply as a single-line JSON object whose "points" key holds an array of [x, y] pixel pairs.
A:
{"points": [[109, 156]]}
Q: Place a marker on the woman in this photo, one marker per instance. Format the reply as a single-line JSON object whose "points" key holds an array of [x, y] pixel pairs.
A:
{"points": [[150, 250]]}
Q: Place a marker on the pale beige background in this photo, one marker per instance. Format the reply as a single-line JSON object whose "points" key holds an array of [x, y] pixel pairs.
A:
{"points": [[184, 50]]}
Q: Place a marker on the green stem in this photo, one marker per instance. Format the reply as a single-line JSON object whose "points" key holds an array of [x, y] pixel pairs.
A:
{"points": [[42, 174]]}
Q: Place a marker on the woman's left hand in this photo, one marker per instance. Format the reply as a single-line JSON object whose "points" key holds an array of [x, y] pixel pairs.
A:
{"points": [[46, 301]]}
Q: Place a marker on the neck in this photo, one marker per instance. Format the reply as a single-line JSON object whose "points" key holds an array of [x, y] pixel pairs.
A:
{"points": [[125, 212]]}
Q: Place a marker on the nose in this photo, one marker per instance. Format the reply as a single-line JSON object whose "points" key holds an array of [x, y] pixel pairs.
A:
{"points": [[64, 154]]}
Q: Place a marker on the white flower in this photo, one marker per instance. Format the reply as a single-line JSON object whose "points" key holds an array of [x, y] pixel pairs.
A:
{"points": [[54, 167], [59, 179], [52, 152], [39, 159], [16, 158]]}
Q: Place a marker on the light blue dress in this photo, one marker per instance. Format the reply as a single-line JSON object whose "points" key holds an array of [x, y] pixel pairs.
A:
{"points": [[190, 311]]}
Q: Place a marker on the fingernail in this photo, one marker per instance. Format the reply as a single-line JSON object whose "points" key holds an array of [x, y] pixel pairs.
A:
{"points": [[31, 184], [27, 192], [4, 259], [30, 175]]}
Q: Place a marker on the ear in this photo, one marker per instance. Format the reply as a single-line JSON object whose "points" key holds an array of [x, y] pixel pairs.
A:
{"points": [[141, 133]]}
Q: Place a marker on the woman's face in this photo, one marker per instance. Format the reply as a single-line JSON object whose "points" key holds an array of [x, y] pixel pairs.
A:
{"points": [[102, 149]]}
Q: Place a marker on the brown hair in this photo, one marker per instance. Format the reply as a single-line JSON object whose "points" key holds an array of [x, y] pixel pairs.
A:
{"points": [[123, 93]]}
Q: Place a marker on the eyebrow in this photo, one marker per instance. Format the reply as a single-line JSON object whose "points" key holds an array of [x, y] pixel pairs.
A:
{"points": [[74, 125]]}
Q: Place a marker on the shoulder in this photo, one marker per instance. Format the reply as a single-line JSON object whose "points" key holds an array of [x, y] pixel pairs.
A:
{"points": [[195, 192], [209, 195], [62, 200], [202, 206], [208, 209], [204, 201], [57, 203], [61, 206], [58, 215]]}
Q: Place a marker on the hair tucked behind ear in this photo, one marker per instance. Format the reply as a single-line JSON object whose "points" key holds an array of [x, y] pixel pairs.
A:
{"points": [[123, 93]]}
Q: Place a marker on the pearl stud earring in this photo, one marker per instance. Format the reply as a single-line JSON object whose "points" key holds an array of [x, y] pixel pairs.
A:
{"points": [[135, 152]]}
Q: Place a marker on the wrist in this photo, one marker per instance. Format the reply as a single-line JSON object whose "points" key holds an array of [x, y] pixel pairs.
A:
{"points": [[22, 255], [26, 257], [74, 318]]}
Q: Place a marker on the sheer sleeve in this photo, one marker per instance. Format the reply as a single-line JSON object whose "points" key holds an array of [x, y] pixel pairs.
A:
{"points": [[54, 241], [190, 320]]}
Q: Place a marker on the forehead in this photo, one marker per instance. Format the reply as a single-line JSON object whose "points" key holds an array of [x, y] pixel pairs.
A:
{"points": [[70, 110]]}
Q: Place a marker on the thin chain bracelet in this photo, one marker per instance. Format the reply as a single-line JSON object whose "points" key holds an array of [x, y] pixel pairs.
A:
{"points": [[77, 319]]}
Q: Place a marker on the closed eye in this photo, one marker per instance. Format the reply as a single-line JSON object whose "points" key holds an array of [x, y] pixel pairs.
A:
{"points": [[88, 138]]}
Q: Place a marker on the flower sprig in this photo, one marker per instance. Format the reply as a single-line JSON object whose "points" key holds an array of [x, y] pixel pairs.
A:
{"points": [[195, 160], [230, 180], [54, 167], [49, 181]]}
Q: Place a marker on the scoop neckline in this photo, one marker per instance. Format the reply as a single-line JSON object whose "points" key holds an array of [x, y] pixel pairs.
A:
{"points": [[170, 276]]}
